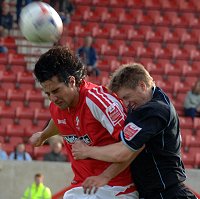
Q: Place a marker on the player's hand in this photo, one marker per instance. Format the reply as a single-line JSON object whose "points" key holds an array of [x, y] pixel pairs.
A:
{"points": [[80, 150], [36, 139], [92, 183]]}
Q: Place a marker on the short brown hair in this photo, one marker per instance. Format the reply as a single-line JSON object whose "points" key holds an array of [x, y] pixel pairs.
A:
{"points": [[128, 76]]}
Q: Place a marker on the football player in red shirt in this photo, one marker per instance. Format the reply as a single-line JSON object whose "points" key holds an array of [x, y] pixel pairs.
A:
{"points": [[82, 111]]}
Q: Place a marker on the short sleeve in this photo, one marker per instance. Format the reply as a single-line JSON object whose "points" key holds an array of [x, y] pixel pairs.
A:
{"points": [[144, 124]]}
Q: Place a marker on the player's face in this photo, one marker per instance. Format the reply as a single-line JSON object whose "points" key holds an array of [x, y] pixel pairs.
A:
{"points": [[62, 95], [134, 98]]}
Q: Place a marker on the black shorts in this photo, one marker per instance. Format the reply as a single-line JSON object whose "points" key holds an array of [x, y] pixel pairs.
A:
{"points": [[179, 191]]}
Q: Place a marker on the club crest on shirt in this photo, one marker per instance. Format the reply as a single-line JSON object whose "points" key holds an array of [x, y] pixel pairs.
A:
{"points": [[114, 114], [71, 139], [130, 131]]}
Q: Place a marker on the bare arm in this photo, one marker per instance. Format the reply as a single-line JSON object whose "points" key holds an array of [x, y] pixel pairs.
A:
{"points": [[117, 152], [94, 182], [37, 139], [50, 130]]}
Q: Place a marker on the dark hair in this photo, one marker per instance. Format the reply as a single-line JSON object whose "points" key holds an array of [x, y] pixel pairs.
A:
{"points": [[61, 62]]}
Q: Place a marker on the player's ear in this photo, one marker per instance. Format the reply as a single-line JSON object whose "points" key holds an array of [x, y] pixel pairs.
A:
{"points": [[142, 85], [72, 81]]}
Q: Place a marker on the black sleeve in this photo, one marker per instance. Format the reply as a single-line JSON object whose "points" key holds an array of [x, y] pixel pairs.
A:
{"points": [[145, 123]]}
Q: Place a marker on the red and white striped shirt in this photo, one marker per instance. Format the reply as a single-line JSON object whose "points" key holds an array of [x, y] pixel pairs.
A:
{"points": [[97, 120]]}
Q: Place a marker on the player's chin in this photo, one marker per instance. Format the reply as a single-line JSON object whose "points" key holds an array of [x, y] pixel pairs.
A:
{"points": [[63, 106]]}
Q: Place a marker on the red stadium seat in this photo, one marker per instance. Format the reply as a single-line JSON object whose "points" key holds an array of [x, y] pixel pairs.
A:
{"points": [[9, 42], [3, 58], [113, 16], [14, 130], [103, 3], [41, 114], [7, 76], [98, 14], [197, 160], [70, 31], [29, 130], [187, 159], [25, 80], [186, 122], [196, 123], [39, 152], [34, 95], [14, 94], [80, 12], [23, 113], [16, 59]]}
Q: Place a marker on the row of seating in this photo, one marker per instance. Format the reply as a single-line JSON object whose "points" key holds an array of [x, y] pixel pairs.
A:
{"points": [[135, 16], [176, 5], [133, 32]]}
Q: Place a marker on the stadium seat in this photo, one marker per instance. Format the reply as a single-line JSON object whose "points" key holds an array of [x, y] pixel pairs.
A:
{"points": [[14, 94], [118, 32], [184, 133], [117, 3], [16, 59], [157, 18], [81, 2], [190, 19], [3, 58], [23, 113], [70, 30], [187, 159], [25, 80], [113, 16], [41, 114], [98, 14], [196, 123], [88, 28], [105, 30], [80, 12], [29, 130], [9, 147], [186, 122], [7, 76], [103, 3], [34, 95], [179, 87], [170, 69], [14, 130], [3, 132], [9, 42], [38, 153], [171, 18], [197, 160]]}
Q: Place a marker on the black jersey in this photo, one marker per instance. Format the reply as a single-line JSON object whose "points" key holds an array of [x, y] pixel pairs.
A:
{"points": [[159, 165]]}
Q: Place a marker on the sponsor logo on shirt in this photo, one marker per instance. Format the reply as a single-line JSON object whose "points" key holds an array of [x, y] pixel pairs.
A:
{"points": [[62, 121], [71, 139], [130, 131], [114, 114]]}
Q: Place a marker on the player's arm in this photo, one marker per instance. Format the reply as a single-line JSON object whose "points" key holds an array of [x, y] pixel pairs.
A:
{"points": [[37, 139], [92, 183], [117, 152]]}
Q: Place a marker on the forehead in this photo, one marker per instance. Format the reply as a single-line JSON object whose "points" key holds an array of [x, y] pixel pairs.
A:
{"points": [[51, 84], [122, 92]]}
